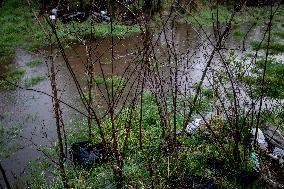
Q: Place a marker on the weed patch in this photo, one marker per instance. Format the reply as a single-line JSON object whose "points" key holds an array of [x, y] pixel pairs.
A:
{"points": [[33, 81], [8, 138], [238, 33], [273, 82], [274, 47], [117, 81], [279, 33], [193, 156], [34, 63], [12, 74], [206, 16]]}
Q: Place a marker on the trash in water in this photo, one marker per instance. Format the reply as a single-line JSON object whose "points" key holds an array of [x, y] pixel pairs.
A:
{"points": [[193, 125]]}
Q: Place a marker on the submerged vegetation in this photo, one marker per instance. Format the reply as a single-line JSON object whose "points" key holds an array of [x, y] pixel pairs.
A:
{"points": [[238, 33], [12, 74], [33, 80], [8, 138], [34, 63]]}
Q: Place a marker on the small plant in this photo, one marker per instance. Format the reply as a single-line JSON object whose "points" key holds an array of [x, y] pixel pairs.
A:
{"points": [[34, 63], [274, 47], [238, 33], [205, 16], [279, 33], [273, 82], [6, 54], [118, 82], [99, 80], [8, 136], [33, 81], [12, 74]]}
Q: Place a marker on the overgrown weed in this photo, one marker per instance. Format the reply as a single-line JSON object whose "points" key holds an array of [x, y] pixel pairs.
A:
{"points": [[12, 74], [34, 63]]}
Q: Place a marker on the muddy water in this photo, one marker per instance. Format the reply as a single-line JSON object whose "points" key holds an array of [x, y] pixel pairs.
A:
{"points": [[33, 111]]}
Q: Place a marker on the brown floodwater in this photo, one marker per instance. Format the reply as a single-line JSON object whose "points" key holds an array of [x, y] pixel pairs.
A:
{"points": [[33, 111]]}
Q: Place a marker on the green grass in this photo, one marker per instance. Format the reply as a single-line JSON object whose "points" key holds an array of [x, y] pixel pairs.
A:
{"points": [[274, 79], [118, 82], [103, 30], [192, 157], [33, 80], [274, 47], [258, 15], [238, 33], [279, 33], [34, 63], [6, 54], [12, 74], [8, 136], [206, 16], [88, 29], [18, 28], [99, 80]]}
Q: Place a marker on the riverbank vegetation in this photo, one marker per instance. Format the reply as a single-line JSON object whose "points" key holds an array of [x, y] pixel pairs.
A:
{"points": [[273, 84], [178, 113], [31, 36], [156, 164], [18, 30]]}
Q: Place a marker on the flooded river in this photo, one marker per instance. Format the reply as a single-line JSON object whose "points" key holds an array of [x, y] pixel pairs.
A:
{"points": [[32, 111]]}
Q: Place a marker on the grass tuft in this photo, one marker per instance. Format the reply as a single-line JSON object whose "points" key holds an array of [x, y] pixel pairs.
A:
{"points": [[274, 47], [8, 139], [34, 63], [33, 81], [238, 33], [206, 16], [12, 74], [274, 79], [279, 33]]}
